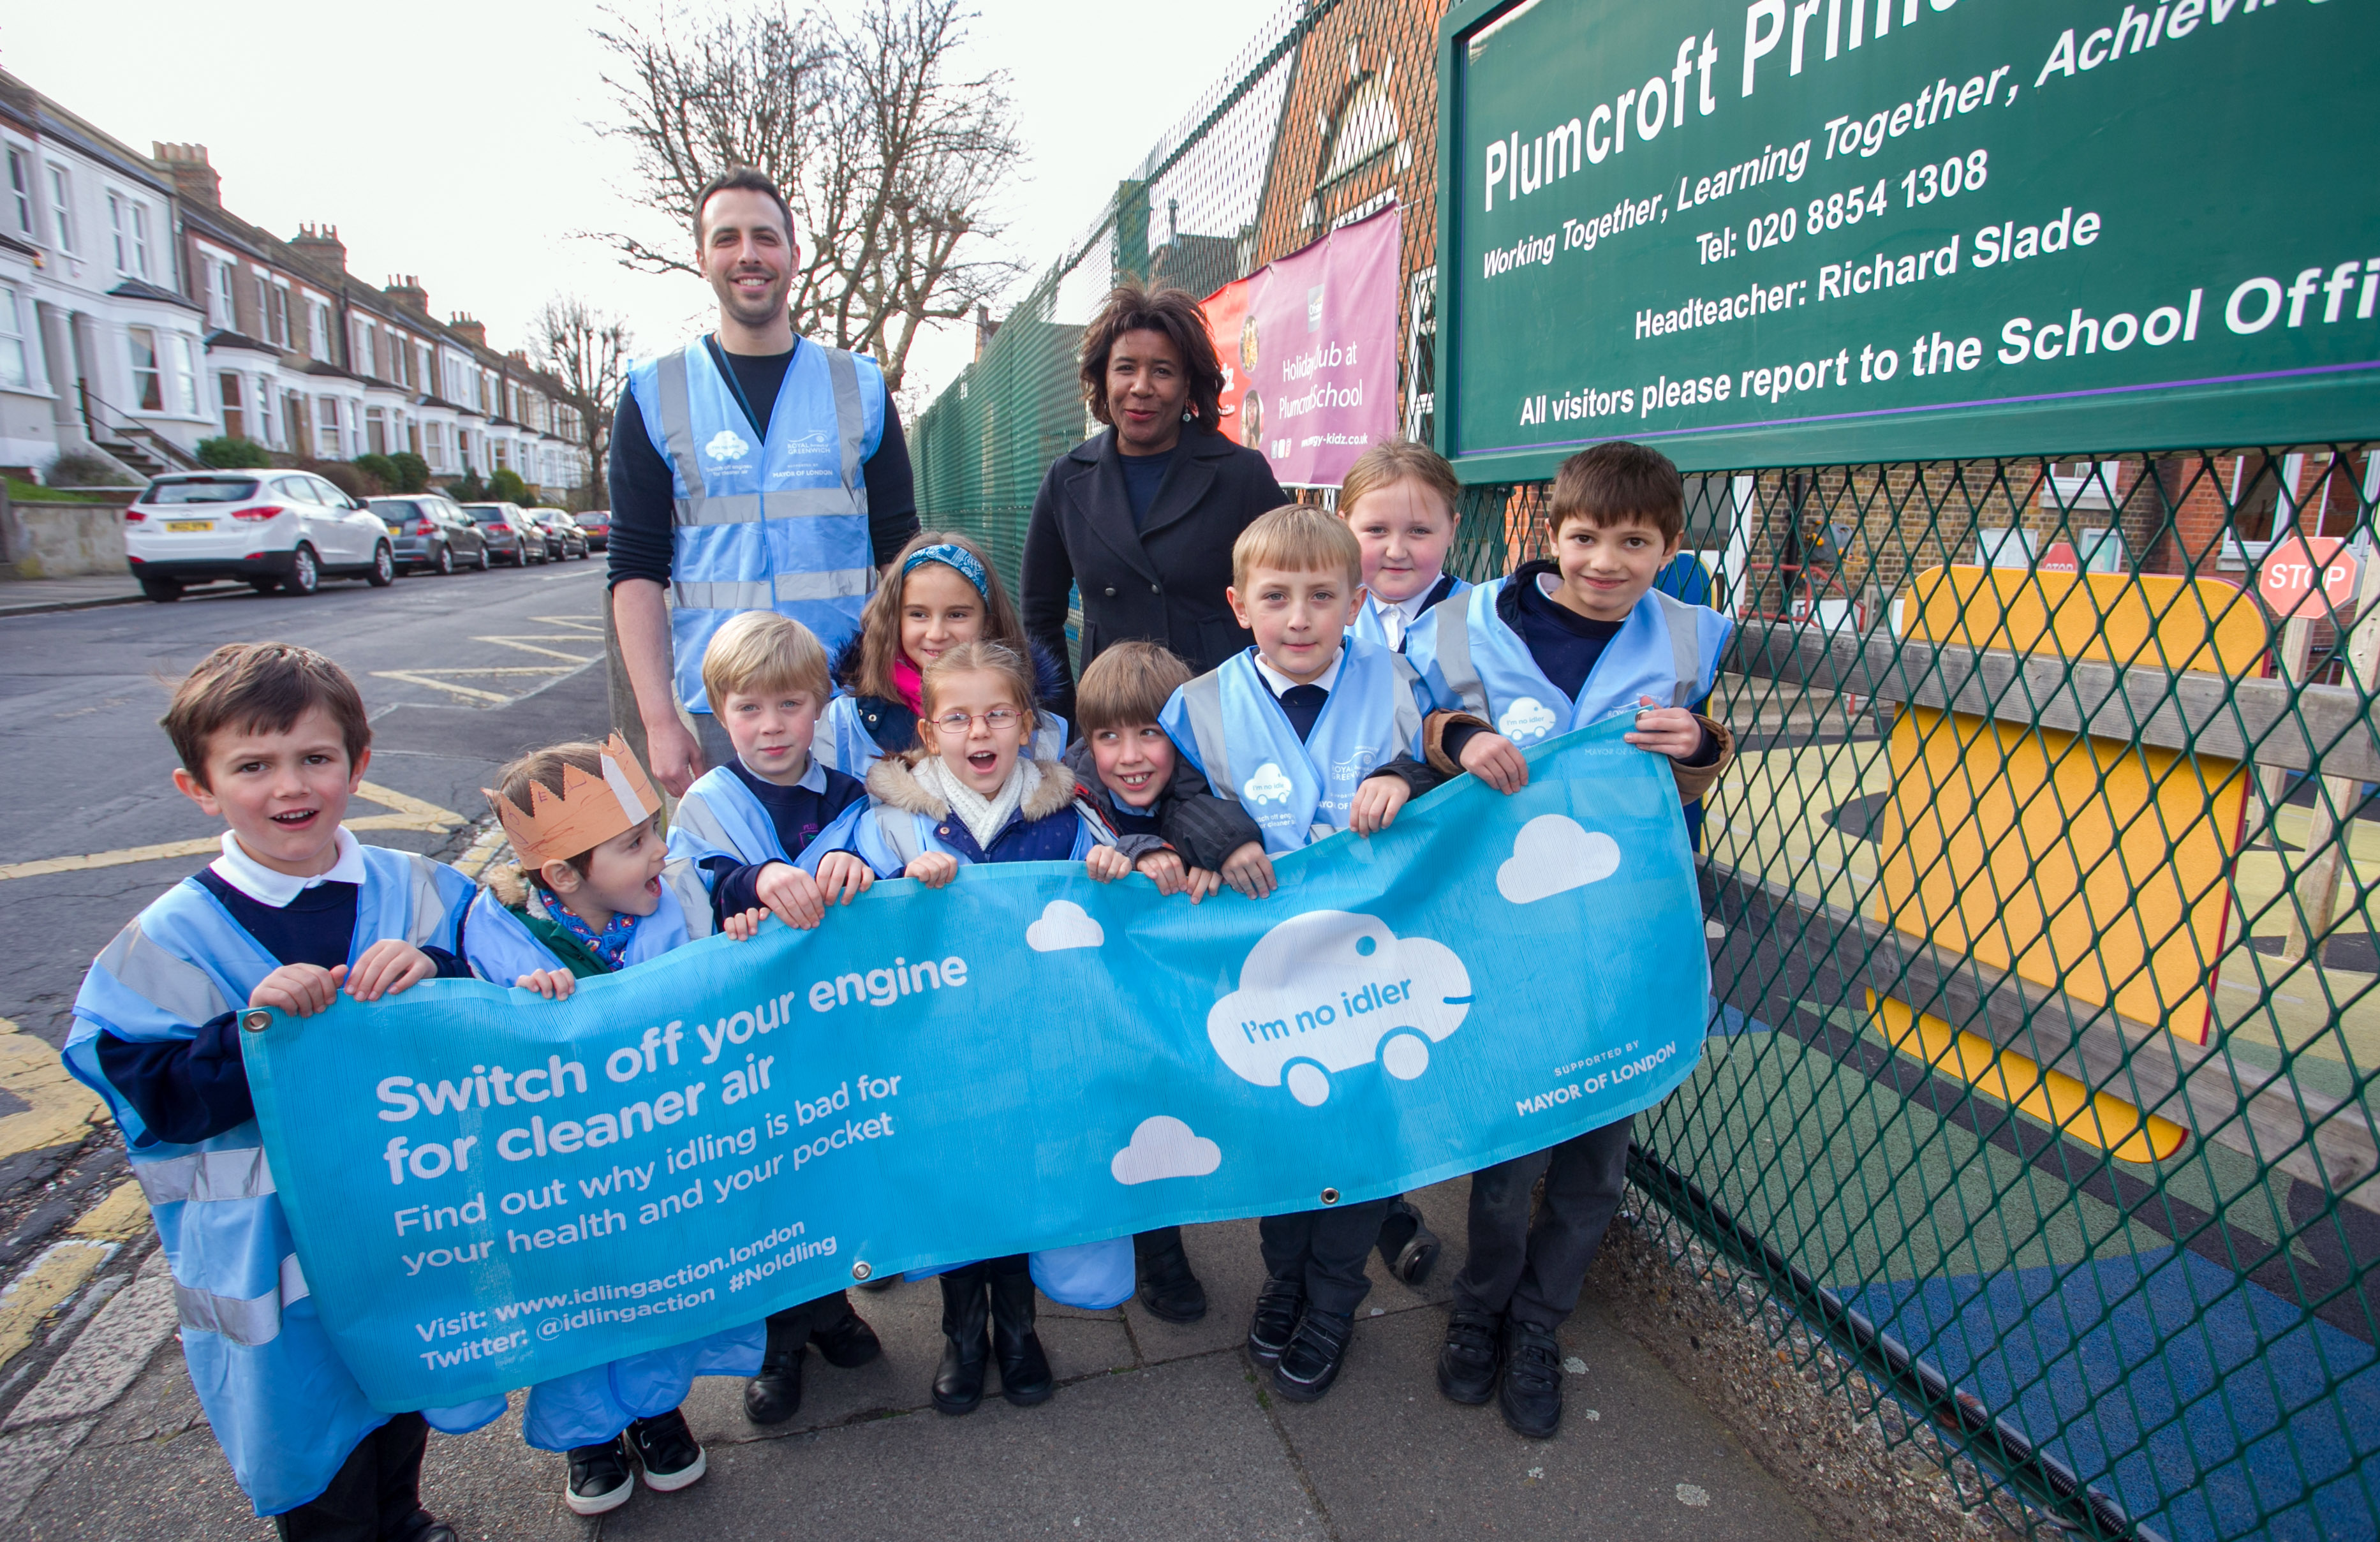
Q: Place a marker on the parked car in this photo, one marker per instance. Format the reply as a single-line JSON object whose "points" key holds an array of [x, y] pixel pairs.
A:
{"points": [[431, 534], [596, 525], [278, 530], [563, 539], [511, 534]]}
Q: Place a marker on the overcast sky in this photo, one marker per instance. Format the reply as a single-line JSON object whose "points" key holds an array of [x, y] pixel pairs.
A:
{"points": [[449, 139]]}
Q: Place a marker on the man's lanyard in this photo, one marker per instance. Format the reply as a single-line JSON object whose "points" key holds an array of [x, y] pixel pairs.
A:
{"points": [[719, 356]]}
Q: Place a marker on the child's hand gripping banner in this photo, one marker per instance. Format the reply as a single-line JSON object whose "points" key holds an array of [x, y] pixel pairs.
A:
{"points": [[489, 1189]]}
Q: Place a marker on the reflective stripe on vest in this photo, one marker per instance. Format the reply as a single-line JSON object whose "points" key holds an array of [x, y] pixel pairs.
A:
{"points": [[1462, 675], [173, 983], [201, 1176], [250, 1322], [1685, 648]]}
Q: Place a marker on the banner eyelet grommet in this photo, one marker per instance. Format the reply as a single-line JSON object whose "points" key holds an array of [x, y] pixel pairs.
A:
{"points": [[1331, 1196], [861, 1269], [256, 1019]]}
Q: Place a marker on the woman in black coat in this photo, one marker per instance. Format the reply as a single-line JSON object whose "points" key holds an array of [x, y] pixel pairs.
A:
{"points": [[1142, 517]]}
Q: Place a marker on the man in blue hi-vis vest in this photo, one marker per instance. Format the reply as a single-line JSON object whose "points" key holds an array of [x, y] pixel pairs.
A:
{"points": [[749, 470]]}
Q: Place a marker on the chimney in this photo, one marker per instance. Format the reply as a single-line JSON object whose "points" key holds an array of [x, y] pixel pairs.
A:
{"points": [[986, 329], [404, 289], [469, 331], [194, 177], [321, 243]]}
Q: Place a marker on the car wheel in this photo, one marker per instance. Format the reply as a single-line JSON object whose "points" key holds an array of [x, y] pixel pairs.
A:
{"points": [[483, 556], [384, 567], [305, 574], [1307, 1082], [1406, 1056], [446, 562], [162, 591]]}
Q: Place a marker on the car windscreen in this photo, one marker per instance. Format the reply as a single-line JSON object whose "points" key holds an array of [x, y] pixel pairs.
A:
{"points": [[201, 489], [394, 508], [484, 514], [588, 521]]}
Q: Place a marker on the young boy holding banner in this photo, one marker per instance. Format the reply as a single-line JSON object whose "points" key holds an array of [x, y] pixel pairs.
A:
{"points": [[1554, 647], [273, 741]]}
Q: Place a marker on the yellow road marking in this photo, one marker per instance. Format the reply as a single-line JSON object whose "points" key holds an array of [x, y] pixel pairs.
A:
{"points": [[59, 1110], [120, 1216], [528, 644], [47, 1281], [412, 679], [586, 627], [482, 850], [409, 813], [507, 669]]}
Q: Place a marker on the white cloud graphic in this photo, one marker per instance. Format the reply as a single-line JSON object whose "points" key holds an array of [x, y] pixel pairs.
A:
{"points": [[726, 444], [1270, 785], [1526, 718], [1163, 1147], [1329, 991], [1063, 924], [1553, 853]]}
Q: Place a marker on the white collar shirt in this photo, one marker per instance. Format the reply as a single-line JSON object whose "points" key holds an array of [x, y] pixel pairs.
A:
{"points": [[267, 887]]}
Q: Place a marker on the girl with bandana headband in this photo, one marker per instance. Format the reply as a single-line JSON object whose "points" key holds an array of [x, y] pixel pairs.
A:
{"points": [[943, 594]]}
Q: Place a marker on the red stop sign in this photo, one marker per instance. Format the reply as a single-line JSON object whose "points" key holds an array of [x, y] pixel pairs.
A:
{"points": [[2061, 558], [2306, 576]]}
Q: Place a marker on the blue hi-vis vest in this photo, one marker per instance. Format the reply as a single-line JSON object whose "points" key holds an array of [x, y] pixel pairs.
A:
{"points": [[1232, 728], [1369, 627], [719, 817], [499, 949], [843, 744], [1469, 659], [780, 526], [279, 1398]]}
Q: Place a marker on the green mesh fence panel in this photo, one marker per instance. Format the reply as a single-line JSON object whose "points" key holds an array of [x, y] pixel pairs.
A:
{"points": [[2040, 897]]}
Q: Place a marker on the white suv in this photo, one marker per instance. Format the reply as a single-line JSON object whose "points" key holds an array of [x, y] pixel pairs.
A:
{"points": [[277, 530]]}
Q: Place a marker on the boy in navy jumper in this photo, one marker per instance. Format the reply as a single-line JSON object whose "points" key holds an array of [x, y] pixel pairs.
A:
{"points": [[1557, 645], [273, 741], [743, 824], [1312, 730]]}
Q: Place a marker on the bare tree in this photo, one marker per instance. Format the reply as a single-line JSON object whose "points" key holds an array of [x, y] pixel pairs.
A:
{"points": [[891, 157], [588, 351]]}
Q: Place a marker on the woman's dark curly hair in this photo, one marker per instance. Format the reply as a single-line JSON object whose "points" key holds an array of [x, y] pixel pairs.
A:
{"points": [[1132, 306]]}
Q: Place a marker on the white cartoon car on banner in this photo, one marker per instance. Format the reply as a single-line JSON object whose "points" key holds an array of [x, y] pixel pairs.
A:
{"points": [[1331, 991]]}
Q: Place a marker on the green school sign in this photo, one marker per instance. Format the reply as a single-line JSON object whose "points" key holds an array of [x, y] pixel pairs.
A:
{"points": [[1801, 231]]}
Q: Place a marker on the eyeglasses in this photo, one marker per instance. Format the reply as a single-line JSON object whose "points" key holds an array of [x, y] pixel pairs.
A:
{"points": [[999, 719]]}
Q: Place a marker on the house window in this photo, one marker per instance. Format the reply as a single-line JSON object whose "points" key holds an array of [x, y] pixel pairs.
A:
{"points": [[220, 307], [1366, 127], [367, 355], [326, 428], [2080, 484], [376, 430], [185, 374], [61, 210], [118, 230], [140, 239], [318, 329], [12, 339], [148, 380], [268, 421], [21, 190], [235, 419], [274, 300]]}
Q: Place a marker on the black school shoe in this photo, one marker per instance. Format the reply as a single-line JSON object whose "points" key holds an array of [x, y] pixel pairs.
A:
{"points": [[847, 1343], [1311, 1362], [599, 1478], [1168, 1287], [1279, 1306], [672, 1460], [1468, 1361], [776, 1394], [1408, 1247], [1531, 1394], [422, 1526]]}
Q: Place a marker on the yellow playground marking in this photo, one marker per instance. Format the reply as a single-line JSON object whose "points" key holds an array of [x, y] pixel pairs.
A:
{"points": [[59, 1110], [406, 813], [439, 679]]}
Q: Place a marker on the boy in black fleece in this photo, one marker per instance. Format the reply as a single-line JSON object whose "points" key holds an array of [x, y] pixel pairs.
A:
{"points": [[1171, 827]]}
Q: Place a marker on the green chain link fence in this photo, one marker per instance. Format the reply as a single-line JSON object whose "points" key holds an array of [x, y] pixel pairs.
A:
{"points": [[2041, 901]]}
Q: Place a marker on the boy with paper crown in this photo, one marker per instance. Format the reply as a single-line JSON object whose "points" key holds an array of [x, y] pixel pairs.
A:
{"points": [[273, 741], [742, 825], [595, 892], [1313, 731], [1557, 645]]}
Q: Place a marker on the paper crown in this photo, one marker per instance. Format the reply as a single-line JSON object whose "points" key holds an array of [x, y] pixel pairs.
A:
{"points": [[586, 812]]}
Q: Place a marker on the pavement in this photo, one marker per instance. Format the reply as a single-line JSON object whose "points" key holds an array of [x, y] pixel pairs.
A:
{"points": [[1158, 1430]]}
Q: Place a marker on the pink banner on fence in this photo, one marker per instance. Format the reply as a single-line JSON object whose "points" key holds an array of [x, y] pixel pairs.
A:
{"points": [[1308, 344]]}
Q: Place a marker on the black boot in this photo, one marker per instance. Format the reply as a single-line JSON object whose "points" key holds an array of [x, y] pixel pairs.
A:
{"points": [[1531, 1395], [1311, 1362], [842, 1335], [1278, 1306], [774, 1395], [1467, 1362], [1407, 1247], [966, 1334], [1025, 1377], [1168, 1287]]}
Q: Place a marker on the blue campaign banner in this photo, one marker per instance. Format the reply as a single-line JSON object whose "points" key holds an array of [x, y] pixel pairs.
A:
{"points": [[489, 1189]]}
